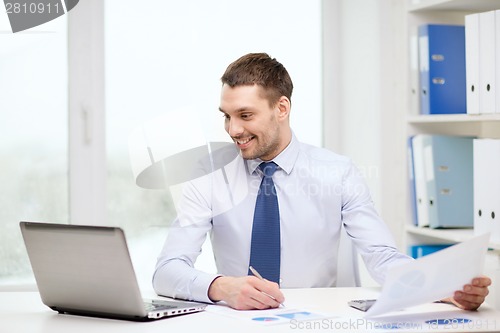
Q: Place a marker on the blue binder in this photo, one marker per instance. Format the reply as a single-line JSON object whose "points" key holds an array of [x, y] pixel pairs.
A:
{"points": [[418, 251], [442, 69], [449, 175]]}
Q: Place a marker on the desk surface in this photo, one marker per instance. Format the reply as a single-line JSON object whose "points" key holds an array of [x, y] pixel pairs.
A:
{"points": [[24, 312]]}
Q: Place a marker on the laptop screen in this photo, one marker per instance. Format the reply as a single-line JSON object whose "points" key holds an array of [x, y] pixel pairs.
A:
{"points": [[83, 267]]}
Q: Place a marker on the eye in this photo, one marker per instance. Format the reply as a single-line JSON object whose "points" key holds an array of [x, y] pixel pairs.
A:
{"points": [[246, 115], [225, 116]]}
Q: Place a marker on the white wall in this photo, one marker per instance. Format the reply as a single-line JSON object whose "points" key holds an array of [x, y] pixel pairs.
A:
{"points": [[364, 106], [364, 117]]}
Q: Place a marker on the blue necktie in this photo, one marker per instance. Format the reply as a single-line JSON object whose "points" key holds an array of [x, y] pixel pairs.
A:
{"points": [[265, 247]]}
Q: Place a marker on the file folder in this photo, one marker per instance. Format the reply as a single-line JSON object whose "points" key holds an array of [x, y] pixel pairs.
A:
{"points": [[442, 69], [411, 176], [487, 188], [414, 106], [472, 62], [449, 178], [421, 199], [418, 251], [487, 76], [497, 61]]}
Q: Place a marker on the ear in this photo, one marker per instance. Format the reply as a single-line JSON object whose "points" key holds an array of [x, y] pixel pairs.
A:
{"points": [[283, 106]]}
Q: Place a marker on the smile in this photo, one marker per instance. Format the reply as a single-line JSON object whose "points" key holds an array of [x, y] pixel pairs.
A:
{"points": [[243, 142]]}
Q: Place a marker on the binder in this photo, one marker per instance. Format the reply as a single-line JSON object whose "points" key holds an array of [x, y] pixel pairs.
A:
{"points": [[487, 188], [442, 69], [418, 251], [449, 171], [421, 199], [472, 62], [497, 61], [487, 76], [414, 106], [411, 176]]}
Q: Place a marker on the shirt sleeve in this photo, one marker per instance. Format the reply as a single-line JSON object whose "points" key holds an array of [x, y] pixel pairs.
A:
{"points": [[371, 236], [175, 274]]}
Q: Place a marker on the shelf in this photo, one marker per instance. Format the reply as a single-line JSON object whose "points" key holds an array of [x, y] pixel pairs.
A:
{"points": [[449, 235], [453, 5], [480, 126], [453, 118]]}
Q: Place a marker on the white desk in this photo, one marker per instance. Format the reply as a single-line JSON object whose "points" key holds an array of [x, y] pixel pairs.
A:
{"points": [[23, 312]]}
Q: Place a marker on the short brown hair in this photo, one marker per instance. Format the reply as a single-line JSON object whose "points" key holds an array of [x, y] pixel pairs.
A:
{"points": [[260, 69]]}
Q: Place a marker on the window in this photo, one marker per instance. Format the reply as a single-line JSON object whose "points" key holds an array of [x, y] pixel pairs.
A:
{"points": [[168, 56], [33, 126], [163, 57]]}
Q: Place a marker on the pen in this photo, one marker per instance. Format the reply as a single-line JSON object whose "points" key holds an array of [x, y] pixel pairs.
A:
{"points": [[254, 272]]}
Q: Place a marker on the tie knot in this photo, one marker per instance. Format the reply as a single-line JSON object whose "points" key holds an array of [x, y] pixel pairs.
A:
{"points": [[268, 168]]}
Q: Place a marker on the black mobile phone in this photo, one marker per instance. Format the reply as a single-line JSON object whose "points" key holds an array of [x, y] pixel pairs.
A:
{"points": [[362, 304]]}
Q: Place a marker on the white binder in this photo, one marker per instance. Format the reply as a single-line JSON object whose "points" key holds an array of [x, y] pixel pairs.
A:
{"points": [[487, 73], [414, 73], [422, 201], [497, 61], [472, 62], [487, 188]]}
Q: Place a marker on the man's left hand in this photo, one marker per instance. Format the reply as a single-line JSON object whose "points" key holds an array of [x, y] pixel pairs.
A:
{"points": [[472, 295]]}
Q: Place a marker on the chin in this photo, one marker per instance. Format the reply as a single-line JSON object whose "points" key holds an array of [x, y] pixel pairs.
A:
{"points": [[247, 156]]}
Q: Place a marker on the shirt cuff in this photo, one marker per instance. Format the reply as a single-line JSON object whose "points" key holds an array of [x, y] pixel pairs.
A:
{"points": [[201, 285]]}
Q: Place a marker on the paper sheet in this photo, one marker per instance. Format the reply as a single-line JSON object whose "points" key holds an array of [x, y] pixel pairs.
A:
{"points": [[279, 315], [432, 277]]}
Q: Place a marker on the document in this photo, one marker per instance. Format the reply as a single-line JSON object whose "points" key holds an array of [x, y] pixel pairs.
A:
{"points": [[275, 316], [431, 278]]}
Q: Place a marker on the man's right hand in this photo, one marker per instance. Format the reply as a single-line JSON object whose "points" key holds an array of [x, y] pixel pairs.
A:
{"points": [[246, 293]]}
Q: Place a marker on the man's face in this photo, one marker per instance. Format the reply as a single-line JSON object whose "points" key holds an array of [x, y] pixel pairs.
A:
{"points": [[253, 125]]}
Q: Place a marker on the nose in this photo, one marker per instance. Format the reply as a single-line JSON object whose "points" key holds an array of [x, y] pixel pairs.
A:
{"points": [[234, 127]]}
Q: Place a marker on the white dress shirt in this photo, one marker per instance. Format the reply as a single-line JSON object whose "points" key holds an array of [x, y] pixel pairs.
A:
{"points": [[317, 191]]}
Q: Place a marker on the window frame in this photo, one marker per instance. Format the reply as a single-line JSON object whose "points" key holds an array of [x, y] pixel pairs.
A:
{"points": [[87, 120]]}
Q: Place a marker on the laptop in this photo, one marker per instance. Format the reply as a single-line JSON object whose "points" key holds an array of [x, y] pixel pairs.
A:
{"points": [[87, 270]]}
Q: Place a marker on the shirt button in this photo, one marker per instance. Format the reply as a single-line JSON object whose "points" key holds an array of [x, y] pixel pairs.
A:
{"points": [[281, 281]]}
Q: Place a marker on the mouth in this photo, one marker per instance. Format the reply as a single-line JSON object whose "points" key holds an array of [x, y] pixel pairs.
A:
{"points": [[243, 143]]}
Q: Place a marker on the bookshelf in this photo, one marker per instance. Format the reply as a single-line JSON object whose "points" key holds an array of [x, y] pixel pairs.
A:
{"points": [[482, 125]]}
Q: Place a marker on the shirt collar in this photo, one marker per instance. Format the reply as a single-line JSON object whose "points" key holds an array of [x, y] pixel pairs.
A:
{"points": [[285, 160]]}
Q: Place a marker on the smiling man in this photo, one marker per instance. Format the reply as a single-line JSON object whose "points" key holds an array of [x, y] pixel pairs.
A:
{"points": [[288, 224]]}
